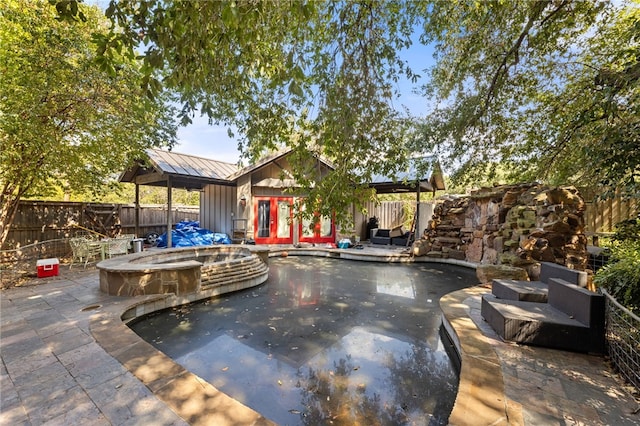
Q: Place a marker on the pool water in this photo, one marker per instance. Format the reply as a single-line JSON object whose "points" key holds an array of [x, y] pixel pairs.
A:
{"points": [[324, 341]]}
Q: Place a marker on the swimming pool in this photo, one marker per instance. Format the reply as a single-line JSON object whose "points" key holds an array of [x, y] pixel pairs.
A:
{"points": [[324, 340]]}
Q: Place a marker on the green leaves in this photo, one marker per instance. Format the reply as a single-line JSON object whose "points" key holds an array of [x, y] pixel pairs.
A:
{"points": [[68, 118], [549, 87], [621, 276], [68, 10]]}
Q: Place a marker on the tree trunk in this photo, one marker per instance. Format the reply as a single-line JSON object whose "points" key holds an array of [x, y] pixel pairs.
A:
{"points": [[8, 207]]}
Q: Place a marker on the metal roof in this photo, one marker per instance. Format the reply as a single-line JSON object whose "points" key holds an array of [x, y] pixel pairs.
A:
{"points": [[190, 165], [186, 171], [425, 169]]}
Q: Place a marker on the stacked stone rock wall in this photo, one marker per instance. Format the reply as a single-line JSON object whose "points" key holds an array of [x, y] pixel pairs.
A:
{"points": [[515, 225]]}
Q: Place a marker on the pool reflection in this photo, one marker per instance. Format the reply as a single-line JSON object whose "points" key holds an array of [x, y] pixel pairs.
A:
{"points": [[323, 341]]}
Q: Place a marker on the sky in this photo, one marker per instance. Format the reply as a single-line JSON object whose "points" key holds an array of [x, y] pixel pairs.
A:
{"points": [[203, 140]]}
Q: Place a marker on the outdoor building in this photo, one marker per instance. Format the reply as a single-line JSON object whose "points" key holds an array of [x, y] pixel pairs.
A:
{"points": [[256, 202]]}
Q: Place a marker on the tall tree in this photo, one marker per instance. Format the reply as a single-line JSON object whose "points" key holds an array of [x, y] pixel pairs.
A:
{"points": [[549, 88], [535, 86], [315, 76], [64, 120]]}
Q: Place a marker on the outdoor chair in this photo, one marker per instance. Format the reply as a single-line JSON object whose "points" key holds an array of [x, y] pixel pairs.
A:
{"points": [[118, 246], [130, 237], [84, 250]]}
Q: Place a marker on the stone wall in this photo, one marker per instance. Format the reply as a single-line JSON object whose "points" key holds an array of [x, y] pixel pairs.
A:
{"points": [[515, 225]]}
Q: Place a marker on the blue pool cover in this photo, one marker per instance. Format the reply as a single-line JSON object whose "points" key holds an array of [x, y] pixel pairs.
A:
{"points": [[189, 233]]}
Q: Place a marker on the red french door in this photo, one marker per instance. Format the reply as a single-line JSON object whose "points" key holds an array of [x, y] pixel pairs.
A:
{"points": [[322, 231], [273, 220]]}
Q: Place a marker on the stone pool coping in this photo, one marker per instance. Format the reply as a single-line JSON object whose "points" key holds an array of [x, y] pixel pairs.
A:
{"points": [[481, 387], [481, 390], [177, 271]]}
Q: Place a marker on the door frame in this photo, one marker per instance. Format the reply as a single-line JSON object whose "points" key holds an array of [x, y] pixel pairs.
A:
{"points": [[316, 238], [273, 220]]}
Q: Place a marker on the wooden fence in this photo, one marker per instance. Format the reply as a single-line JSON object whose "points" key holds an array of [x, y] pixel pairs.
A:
{"points": [[395, 213], [38, 221], [602, 216]]}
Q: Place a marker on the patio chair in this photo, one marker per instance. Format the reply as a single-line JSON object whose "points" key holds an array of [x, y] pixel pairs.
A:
{"points": [[130, 237], [118, 246], [84, 250]]}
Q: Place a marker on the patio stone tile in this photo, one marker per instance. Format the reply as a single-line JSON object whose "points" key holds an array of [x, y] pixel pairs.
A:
{"points": [[151, 411], [82, 414], [12, 323], [23, 348], [71, 311], [57, 405], [579, 408], [99, 373], [60, 300], [114, 341], [14, 414], [198, 401], [45, 318], [39, 393], [9, 395], [117, 397], [534, 416], [17, 336], [35, 313], [36, 388], [77, 355], [26, 300], [67, 340], [116, 413], [52, 329], [122, 389], [150, 366], [33, 364]]}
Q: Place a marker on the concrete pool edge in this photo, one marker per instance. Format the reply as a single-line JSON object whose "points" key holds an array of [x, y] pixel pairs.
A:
{"points": [[480, 392], [186, 394]]}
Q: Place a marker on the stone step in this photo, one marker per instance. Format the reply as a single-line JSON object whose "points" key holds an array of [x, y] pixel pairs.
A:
{"points": [[537, 324], [234, 269], [222, 274], [229, 280], [528, 291]]}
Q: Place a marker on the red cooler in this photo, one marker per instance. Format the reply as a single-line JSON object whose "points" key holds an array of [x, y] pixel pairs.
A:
{"points": [[48, 267]]}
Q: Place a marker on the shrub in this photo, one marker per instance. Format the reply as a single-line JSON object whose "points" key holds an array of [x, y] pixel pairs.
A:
{"points": [[621, 277], [627, 230]]}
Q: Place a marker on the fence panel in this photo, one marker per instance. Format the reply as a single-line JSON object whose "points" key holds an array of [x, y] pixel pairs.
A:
{"points": [[623, 340], [397, 213], [18, 264], [389, 213], [154, 218], [37, 221], [602, 216]]}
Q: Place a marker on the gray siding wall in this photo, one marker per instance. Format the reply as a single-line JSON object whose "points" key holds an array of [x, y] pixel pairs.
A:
{"points": [[218, 207]]}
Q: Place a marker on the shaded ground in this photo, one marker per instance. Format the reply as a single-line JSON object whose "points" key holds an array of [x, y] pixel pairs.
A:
{"points": [[322, 340]]}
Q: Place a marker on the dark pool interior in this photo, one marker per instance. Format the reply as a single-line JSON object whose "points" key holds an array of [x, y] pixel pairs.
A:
{"points": [[324, 341]]}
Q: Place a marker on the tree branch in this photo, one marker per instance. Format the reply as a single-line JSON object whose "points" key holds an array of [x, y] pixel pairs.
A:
{"points": [[502, 69]]}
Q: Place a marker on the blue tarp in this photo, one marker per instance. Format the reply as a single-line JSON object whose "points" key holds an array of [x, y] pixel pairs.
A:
{"points": [[189, 233]]}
